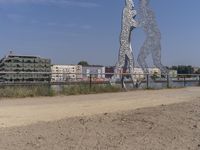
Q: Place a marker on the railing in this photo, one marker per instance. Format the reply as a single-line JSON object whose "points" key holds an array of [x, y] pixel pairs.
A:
{"points": [[61, 79]]}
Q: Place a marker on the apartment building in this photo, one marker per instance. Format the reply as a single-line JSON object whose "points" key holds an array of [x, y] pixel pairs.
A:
{"points": [[21, 68], [109, 70], [154, 71], [173, 73], [97, 72], [138, 72], [62, 73]]}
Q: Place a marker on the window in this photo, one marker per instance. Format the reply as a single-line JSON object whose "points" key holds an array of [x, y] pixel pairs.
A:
{"points": [[88, 71]]}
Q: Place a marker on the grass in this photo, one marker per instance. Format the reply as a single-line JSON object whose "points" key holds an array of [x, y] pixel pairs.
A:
{"points": [[85, 89], [25, 91], [35, 91]]}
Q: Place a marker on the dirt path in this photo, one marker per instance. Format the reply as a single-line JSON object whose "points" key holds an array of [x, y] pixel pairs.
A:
{"points": [[166, 127], [17, 112]]}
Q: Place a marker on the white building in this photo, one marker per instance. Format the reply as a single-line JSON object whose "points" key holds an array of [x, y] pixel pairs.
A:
{"points": [[61, 73], [173, 73], [97, 72], [155, 71], [139, 74]]}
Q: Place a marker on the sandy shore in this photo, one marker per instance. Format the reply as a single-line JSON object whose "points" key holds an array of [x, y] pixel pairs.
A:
{"points": [[139, 120]]}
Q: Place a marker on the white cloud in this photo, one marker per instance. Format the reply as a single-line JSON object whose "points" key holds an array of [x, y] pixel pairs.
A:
{"points": [[79, 3]]}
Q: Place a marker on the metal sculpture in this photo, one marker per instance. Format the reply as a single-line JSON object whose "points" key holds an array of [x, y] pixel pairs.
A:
{"points": [[125, 57], [152, 44]]}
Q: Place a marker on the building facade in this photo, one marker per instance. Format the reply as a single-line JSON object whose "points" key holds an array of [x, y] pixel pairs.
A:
{"points": [[154, 71], [62, 73], [173, 73], [97, 72], [109, 71], [138, 72], [17, 68]]}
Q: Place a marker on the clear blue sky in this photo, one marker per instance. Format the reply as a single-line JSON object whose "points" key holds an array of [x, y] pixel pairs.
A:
{"points": [[71, 30]]}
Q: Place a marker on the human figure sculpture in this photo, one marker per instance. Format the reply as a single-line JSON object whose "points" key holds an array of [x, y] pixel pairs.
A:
{"points": [[152, 44], [125, 57]]}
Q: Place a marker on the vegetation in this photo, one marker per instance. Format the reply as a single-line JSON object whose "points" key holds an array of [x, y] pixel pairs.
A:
{"points": [[25, 91], [183, 69], [83, 63], [34, 91], [85, 89]]}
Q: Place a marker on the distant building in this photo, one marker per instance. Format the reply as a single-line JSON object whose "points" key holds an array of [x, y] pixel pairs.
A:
{"points": [[24, 66], [173, 73], [154, 71], [109, 71], [61, 73], [138, 72], [196, 69], [97, 72]]}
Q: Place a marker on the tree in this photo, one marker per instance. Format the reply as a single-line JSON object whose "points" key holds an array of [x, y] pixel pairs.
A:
{"points": [[174, 68], [185, 70], [83, 63]]}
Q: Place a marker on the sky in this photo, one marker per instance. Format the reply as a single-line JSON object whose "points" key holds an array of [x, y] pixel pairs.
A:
{"points": [[67, 31]]}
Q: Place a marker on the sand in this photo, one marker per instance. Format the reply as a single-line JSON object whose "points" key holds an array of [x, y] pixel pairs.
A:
{"points": [[141, 120]]}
